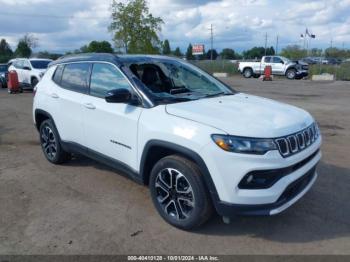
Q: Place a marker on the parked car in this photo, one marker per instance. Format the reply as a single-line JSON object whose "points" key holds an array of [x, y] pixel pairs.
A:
{"points": [[3, 72], [196, 143], [280, 66], [30, 71]]}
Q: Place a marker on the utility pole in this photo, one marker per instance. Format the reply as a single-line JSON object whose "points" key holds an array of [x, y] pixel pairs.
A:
{"points": [[332, 42], [265, 43], [211, 42], [277, 45]]}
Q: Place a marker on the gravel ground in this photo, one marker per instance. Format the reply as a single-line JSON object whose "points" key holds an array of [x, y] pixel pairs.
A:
{"points": [[84, 207]]}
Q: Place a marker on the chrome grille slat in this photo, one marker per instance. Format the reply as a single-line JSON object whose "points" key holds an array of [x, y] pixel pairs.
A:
{"points": [[295, 143]]}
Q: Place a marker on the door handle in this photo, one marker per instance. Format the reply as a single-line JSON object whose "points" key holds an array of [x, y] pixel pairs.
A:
{"points": [[89, 106], [53, 95]]}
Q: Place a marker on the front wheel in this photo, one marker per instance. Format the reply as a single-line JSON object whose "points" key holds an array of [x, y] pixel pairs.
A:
{"points": [[179, 193], [291, 74]]}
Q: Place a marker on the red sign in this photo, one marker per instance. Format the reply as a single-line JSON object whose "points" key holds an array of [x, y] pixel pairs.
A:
{"points": [[197, 49]]}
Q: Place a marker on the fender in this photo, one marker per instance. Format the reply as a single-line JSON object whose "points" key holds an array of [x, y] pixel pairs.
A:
{"points": [[186, 152]]}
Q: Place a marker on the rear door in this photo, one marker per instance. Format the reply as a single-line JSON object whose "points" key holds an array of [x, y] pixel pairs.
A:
{"points": [[69, 92], [26, 71], [18, 64], [110, 128]]}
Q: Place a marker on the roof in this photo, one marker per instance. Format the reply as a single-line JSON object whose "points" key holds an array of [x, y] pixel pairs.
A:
{"points": [[112, 58]]}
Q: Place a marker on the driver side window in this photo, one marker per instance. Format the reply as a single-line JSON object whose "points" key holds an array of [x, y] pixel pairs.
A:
{"points": [[104, 78]]}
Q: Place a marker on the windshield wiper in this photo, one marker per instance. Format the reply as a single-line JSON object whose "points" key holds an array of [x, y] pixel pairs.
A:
{"points": [[218, 94]]}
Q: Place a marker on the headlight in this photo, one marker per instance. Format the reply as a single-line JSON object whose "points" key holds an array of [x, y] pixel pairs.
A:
{"points": [[244, 145], [2, 74]]}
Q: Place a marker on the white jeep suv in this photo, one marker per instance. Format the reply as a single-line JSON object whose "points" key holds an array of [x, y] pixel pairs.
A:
{"points": [[197, 144], [29, 71]]}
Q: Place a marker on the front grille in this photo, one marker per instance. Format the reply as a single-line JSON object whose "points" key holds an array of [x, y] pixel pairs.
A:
{"points": [[297, 142], [305, 67]]}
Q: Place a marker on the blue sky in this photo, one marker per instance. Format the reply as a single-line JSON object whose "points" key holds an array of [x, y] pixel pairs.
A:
{"points": [[62, 25]]}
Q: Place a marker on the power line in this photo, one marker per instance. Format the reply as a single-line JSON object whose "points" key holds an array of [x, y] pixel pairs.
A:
{"points": [[49, 16]]}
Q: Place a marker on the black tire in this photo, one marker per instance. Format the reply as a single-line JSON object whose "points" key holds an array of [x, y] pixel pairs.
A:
{"points": [[34, 82], [291, 74], [51, 143], [186, 203], [248, 73]]}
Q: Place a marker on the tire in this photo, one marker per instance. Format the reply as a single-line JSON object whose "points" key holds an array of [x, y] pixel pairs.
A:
{"points": [[185, 202], [291, 74], [248, 73], [51, 143], [34, 82]]}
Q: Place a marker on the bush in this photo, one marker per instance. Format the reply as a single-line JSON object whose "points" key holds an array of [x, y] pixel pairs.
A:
{"points": [[217, 66], [341, 72]]}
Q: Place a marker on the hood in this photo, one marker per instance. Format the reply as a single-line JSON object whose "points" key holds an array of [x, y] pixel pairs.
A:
{"points": [[244, 115]]}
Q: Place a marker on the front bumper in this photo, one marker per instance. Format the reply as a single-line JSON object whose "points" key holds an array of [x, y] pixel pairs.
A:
{"points": [[232, 168], [302, 73], [291, 195]]}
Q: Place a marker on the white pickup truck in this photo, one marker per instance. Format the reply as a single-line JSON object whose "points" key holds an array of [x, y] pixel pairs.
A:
{"points": [[280, 66]]}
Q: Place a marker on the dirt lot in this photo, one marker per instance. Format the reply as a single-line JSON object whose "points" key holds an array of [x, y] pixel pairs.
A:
{"points": [[86, 208]]}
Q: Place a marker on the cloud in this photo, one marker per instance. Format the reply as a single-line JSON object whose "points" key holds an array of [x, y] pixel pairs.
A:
{"points": [[67, 25]]}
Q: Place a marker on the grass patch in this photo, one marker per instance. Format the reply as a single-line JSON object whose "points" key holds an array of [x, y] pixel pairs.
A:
{"points": [[217, 66]]}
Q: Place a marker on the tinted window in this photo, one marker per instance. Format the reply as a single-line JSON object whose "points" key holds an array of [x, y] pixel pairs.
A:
{"points": [[277, 60], [75, 77], [40, 64], [58, 75], [104, 78], [268, 59]]}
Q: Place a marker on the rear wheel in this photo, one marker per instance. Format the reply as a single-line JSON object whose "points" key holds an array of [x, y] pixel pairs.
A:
{"points": [[248, 73], [179, 193], [50, 143]]}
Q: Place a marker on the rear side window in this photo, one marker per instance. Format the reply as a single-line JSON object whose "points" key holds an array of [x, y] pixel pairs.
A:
{"points": [[58, 75], [105, 77], [75, 77], [267, 59]]}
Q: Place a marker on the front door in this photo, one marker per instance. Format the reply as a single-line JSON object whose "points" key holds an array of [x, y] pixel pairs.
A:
{"points": [[110, 128]]}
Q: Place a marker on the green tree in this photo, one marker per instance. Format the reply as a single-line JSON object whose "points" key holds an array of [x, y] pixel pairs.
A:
{"points": [[212, 53], [294, 52], [166, 47], [336, 52], [189, 55], [23, 49], [316, 52], [258, 52], [228, 53], [177, 52], [134, 28], [100, 47], [5, 51], [48, 55]]}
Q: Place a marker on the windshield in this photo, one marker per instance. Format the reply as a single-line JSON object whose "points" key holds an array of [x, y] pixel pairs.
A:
{"points": [[172, 80], [285, 59], [40, 64], [3, 68]]}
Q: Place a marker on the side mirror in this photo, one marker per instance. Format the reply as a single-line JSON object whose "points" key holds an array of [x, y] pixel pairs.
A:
{"points": [[26, 68], [282, 62], [120, 96]]}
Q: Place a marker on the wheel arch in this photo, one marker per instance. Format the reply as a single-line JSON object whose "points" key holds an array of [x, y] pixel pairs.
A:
{"points": [[154, 150], [40, 116]]}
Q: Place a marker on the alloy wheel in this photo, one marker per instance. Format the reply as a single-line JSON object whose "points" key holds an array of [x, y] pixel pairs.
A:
{"points": [[48, 142], [174, 194]]}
